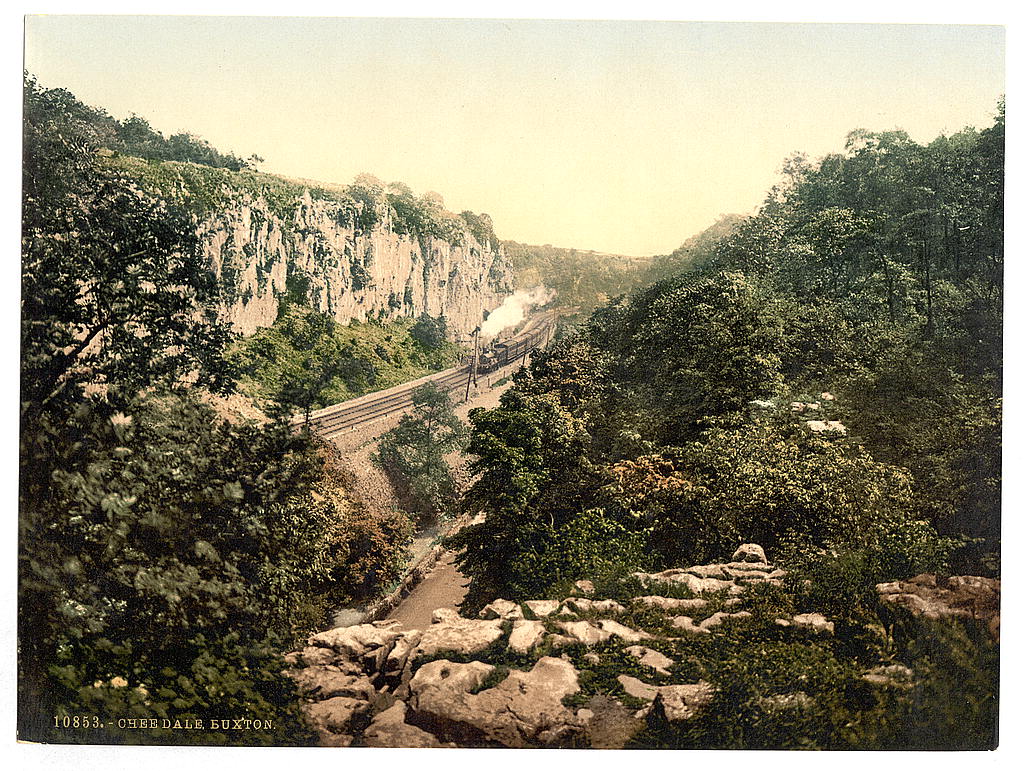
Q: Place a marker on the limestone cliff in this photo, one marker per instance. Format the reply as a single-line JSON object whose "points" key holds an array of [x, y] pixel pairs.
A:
{"points": [[345, 251]]}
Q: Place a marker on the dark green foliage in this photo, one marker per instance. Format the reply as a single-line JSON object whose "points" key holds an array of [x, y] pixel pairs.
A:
{"points": [[430, 332], [539, 491], [414, 451], [134, 136], [776, 691], [760, 484], [307, 360], [154, 538], [481, 227], [113, 288]]}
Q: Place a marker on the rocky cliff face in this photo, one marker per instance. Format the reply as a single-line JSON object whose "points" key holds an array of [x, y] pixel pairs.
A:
{"points": [[315, 251]]}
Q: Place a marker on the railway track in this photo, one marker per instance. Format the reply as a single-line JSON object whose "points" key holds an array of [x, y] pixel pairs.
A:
{"points": [[345, 416]]}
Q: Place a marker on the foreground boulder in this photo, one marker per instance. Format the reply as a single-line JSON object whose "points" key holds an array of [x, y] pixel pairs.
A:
{"points": [[459, 635], [389, 729], [525, 709]]}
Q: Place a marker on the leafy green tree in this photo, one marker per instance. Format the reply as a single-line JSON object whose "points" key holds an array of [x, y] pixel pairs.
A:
{"points": [[414, 451], [481, 227], [113, 287], [533, 480], [170, 549], [316, 357], [429, 331], [705, 346]]}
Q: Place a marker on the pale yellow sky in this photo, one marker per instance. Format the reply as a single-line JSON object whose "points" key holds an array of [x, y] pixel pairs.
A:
{"points": [[623, 137]]}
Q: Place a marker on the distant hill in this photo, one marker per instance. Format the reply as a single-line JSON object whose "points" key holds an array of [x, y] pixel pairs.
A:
{"points": [[582, 278], [694, 251]]}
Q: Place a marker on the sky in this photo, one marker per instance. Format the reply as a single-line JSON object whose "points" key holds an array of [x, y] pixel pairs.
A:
{"points": [[623, 137]]}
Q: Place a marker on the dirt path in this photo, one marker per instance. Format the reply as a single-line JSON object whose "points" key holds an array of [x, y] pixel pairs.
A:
{"points": [[443, 587]]}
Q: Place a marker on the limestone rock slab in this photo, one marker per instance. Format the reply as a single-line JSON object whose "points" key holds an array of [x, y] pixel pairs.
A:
{"points": [[459, 635], [389, 729], [525, 709], [525, 635]]}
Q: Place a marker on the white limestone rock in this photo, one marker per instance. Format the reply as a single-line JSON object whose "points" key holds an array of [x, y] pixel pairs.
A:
{"points": [[364, 643], [445, 616], [620, 630], [584, 632], [585, 586], [584, 605], [458, 635], [399, 655], [716, 619], [525, 709], [339, 715], [501, 609], [657, 661], [749, 552], [389, 729], [831, 427], [325, 682], [686, 624], [676, 703], [636, 688], [813, 622], [672, 603], [542, 608], [526, 635]]}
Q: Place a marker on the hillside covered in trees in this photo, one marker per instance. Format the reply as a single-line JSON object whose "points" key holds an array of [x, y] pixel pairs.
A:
{"points": [[822, 378], [583, 279]]}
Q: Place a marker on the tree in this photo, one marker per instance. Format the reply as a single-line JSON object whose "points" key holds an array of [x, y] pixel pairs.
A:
{"points": [[429, 331], [414, 451], [171, 551], [113, 287], [532, 482]]}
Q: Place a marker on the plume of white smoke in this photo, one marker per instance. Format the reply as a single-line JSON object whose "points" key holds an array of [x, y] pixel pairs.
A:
{"points": [[514, 308]]}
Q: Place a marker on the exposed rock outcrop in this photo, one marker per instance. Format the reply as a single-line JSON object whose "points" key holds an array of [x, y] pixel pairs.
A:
{"points": [[934, 596], [527, 675], [525, 709]]}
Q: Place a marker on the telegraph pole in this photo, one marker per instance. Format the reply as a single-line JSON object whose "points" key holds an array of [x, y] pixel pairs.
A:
{"points": [[471, 380]]}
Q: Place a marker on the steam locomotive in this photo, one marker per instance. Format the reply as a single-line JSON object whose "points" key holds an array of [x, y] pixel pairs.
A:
{"points": [[500, 354]]}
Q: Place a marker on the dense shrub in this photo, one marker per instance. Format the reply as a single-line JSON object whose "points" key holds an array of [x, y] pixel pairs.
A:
{"points": [[430, 332], [761, 483], [166, 547]]}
